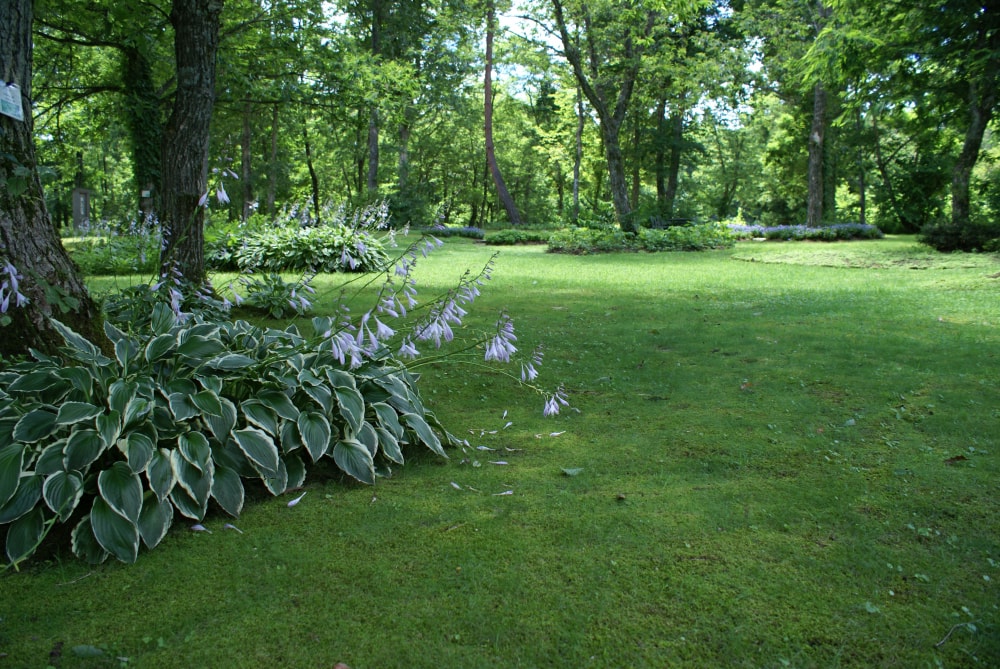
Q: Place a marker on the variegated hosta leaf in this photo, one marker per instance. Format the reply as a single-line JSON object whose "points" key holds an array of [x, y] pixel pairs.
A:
{"points": [[224, 423], [427, 436], [120, 394], [182, 407], [121, 488], [62, 492], [114, 532], [51, 459], [314, 429], [184, 503], [231, 362], [207, 402], [154, 519], [159, 346], [351, 405], [195, 449], [138, 449], [227, 489], [160, 474], [277, 482], [109, 426], [85, 544], [12, 457], [354, 458], [82, 448], [197, 483], [296, 470], [163, 318], [259, 448], [24, 534], [290, 439], [388, 418], [322, 396], [280, 403], [259, 414], [24, 500], [35, 426], [367, 436], [76, 412], [389, 445], [137, 409]]}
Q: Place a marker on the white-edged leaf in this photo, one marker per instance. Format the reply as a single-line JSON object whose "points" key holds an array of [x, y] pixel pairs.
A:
{"points": [[227, 489], [34, 426], [85, 545], [24, 534], [259, 448], [352, 406], [424, 432], [195, 449], [314, 429], [62, 492], [389, 445], [82, 448], [224, 423], [117, 534], [76, 412], [24, 500], [259, 414], [280, 403], [160, 474], [12, 458], [354, 458], [207, 402], [155, 519], [122, 490]]}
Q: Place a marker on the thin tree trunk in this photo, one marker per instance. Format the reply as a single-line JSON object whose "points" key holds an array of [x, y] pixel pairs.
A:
{"points": [[373, 120], [636, 167], [246, 173], [862, 195], [578, 156], [272, 177], [814, 215], [883, 170], [28, 241], [185, 140], [313, 178], [491, 159], [674, 166]]}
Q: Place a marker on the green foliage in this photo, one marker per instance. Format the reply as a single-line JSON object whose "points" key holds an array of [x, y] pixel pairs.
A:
{"points": [[679, 238], [825, 233], [133, 251], [321, 249], [975, 236], [185, 415], [444, 231], [275, 297], [517, 236]]}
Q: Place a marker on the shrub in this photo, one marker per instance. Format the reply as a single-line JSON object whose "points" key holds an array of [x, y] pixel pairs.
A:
{"points": [[444, 231], [678, 238], [513, 236], [975, 236], [275, 297], [106, 250]]}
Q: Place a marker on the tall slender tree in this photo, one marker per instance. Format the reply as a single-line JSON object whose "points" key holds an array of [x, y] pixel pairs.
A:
{"points": [[491, 159]]}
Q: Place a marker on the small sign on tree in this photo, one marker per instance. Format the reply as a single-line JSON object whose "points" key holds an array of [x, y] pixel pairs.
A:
{"points": [[10, 101]]}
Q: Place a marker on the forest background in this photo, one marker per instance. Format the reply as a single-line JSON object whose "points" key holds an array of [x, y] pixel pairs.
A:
{"points": [[782, 111]]}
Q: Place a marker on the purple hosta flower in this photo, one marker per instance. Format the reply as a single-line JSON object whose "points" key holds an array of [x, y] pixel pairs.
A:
{"points": [[390, 305], [436, 330], [408, 350], [11, 286], [553, 403], [383, 331], [360, 246], [221, 195], [346, 259], [175, 301], [501, 347], [343, 344], [203, 200]]}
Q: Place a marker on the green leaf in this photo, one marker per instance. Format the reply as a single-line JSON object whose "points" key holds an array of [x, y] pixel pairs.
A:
{"points": [[51, 459], [155, 519], [195, 449], [227, 489], [426, 435], [125, 351], [75, 340], [34, 382], [160, 474], [115, 533], [35, 426], [163, 318], [290, 439], [24, 534], [187, 505], [314, 429], [388, 418], [120, 393], [122, 490], [24, 500], [199, 347], [277, 482], [279, 402], [352, 406], [367, 436], [196, 483], [12, 460], [231, 362], [259, 448], [62, 492], [136, 410], [159, 346], [259, 414], [223, 424], [389, 445], [85, 545], [322, 396], [354, 458], [340, 379], [207, 402], [82, 448], [296, 470], [76, 412], [182, 407], [138, 451], [109, 426]]}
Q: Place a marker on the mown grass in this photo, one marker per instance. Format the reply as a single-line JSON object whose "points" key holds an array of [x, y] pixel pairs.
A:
{"points": [[776, 463]]}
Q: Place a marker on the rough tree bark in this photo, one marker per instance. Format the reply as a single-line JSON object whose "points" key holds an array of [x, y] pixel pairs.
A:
{"points": [[491, 158], [982, 101], [814, 211], [28, 241], [185, 139]]}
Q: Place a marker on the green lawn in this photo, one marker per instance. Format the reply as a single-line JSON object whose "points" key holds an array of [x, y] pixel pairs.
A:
{"points": [[782, 455]]}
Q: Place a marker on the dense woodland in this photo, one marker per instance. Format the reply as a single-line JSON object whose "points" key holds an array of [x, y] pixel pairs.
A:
{"points": [[787, 111]]}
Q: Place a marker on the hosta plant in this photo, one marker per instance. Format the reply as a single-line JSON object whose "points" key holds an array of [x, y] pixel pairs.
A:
{"points": [[181, 418]]}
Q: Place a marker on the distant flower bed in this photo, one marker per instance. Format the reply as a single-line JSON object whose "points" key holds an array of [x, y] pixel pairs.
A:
{"points": [[441, 231], [826, 233]]}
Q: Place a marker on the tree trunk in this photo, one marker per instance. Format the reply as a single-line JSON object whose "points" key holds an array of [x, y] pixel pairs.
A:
{"points": [[313, 178], [636, 167], [28, 241], [272, 165], [142, 114], [674, 166], [185, 140], [616, 175], [578, 155], [982, 100], [372, 181], [814, 215], [246, 153], [491, 158]]}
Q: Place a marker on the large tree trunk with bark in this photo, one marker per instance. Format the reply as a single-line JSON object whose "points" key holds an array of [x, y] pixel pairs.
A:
{"points": [[142, 114], [491, 159], [185, 140], [982, 100], [28, 241], [246, 161], [814, 211]]}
